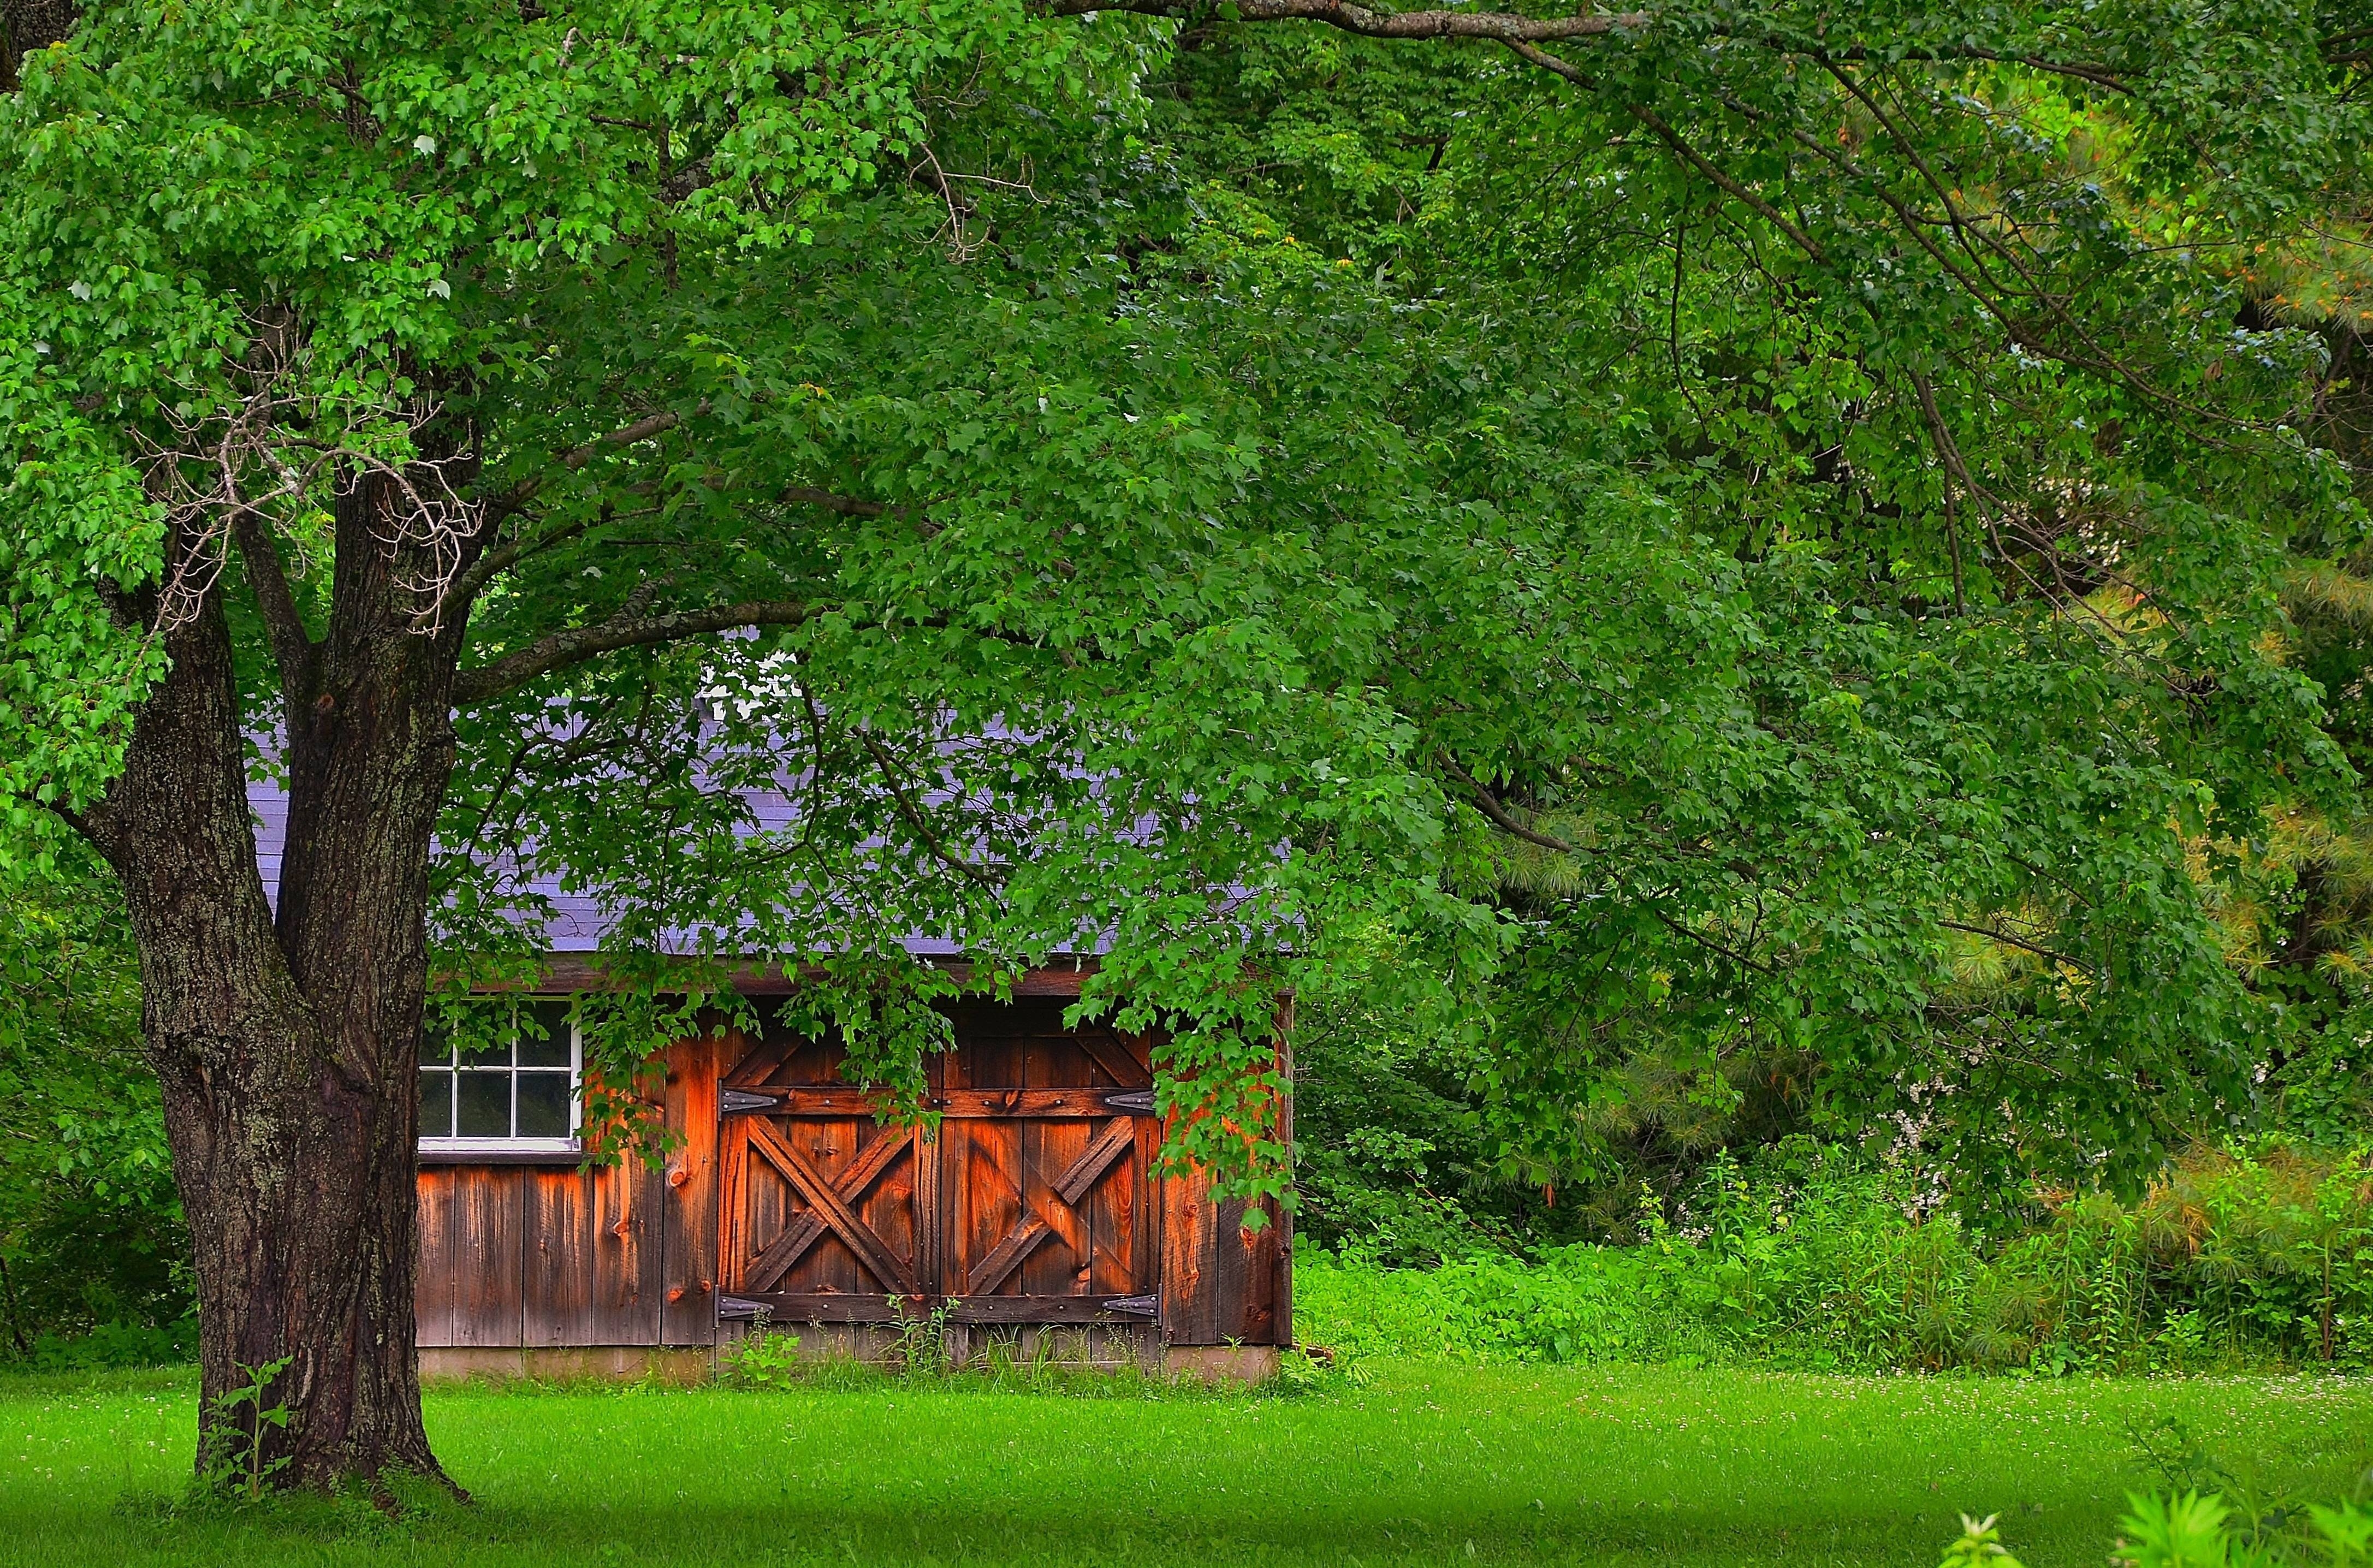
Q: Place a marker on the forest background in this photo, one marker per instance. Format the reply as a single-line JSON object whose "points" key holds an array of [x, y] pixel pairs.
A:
{"points": [[1940, 929]]}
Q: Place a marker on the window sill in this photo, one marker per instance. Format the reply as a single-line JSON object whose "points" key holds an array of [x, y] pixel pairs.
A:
{"points": [[483, 1155]]}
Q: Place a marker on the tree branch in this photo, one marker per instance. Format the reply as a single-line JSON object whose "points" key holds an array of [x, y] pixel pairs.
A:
{"points": [[1497, 26], [292, 648], [914, 815], [1489, 804], [577, 644], [1507, 27], [515, 499], [2008, 940]]}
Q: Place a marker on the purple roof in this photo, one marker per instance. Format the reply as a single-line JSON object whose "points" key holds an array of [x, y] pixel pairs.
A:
{"points": [[577, 923]]}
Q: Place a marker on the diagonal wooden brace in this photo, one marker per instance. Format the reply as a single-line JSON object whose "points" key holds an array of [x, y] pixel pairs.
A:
{"points": [[824, 1202]]}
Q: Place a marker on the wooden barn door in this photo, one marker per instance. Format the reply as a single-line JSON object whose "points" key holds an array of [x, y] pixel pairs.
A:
{"points": [[1046, 1146], [1033, 1205], [820, 1206]]}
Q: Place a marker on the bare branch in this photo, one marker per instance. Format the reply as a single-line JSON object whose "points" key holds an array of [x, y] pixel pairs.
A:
{"points": [[577, 644], [515, 499], [1490, 806]]}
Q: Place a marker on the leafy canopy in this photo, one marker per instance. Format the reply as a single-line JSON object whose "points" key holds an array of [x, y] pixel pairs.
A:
{"points": [[1747, 525]]}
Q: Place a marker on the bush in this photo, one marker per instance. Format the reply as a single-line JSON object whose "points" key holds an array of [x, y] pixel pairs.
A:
{"points": [[1809, 1262]]}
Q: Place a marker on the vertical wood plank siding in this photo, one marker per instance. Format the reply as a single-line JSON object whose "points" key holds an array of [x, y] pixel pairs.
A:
{"points": [[687, 1198], [540, 1255], [1029, 1214]]}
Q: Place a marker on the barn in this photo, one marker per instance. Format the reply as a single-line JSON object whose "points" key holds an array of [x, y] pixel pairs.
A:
{"points": [[1035, 1219]]}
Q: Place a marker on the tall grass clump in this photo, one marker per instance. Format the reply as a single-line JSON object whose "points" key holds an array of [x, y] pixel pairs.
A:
{"points": [[1809, 1262]]}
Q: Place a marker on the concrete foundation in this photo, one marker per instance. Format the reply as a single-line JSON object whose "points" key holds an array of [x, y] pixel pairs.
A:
{"points": [[685, 1367], [1066, 1347]]}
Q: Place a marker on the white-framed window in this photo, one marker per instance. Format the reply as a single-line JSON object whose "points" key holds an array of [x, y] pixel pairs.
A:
{"points": [[502, 1074]]}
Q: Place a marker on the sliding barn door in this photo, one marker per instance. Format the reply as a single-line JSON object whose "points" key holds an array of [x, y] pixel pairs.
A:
{"points": [[1033, 1204]]}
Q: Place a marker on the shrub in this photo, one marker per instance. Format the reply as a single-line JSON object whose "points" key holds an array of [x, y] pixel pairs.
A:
{"points": [[1820, 1265]]}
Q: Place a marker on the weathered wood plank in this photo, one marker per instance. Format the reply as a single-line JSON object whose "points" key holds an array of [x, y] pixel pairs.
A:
{"points": [[432, 1297], [1079, 1102], [488, 1287], [789, 1247], [688, 1212], [756, 1062], [984, 1177], [1118, 1136], [1108, 1200], [830, 1306], [1040, 1309], [1111, 1054], [1190, 1284], [1281, 1290], [1005, 1257], [1048, 1149], [556, 1301], [629, 1274]]}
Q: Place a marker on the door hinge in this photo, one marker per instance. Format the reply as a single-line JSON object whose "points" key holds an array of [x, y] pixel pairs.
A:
{"points": [[741, 1102], [1136, 1101], [732, 1309], [1133, 1307]]}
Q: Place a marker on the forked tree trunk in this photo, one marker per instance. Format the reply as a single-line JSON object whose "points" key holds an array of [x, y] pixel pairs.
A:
{"points": [[287, 1047]]}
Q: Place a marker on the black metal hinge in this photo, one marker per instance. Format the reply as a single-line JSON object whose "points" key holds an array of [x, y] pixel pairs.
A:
{"points": [[741, 1102], [1136, 1101], [732, 1309], [1133, 1307]]}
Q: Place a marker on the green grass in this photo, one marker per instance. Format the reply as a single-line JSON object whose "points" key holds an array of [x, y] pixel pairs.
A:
{"points": [[1428, 1463]]}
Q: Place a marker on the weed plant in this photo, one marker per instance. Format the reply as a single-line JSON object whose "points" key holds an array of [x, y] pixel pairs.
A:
{"points": [[2229, 1261]]}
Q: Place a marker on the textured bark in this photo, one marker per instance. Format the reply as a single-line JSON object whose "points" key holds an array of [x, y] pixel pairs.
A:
{"points": [[287, 1047], [27, 25]]}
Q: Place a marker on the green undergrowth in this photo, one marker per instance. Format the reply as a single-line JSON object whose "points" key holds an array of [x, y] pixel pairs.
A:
{"points": [[2227, 1263], [1423, 1463]]}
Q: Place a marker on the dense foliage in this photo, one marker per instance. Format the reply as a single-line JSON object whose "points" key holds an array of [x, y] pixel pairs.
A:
{"points": [[1682, 580], [90, 1228], [1799, 1261], [1771, 541]]}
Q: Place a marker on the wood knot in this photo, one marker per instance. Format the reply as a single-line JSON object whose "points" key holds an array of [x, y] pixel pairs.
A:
{"points": [[678, 1176]]}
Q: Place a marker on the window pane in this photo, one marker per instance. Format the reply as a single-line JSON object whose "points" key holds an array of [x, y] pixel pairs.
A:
{"points": [[543, 1104], [543, 1034], [484, 1035], [436, 1104], [486, 1106], [436, 1040]]}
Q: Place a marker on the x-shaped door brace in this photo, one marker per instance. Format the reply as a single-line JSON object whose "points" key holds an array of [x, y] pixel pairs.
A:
{"points": [[1119, 1134], [829, 1209]]}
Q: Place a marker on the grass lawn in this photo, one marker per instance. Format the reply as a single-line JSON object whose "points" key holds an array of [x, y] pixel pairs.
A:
{"points": [[1428, 1463]]}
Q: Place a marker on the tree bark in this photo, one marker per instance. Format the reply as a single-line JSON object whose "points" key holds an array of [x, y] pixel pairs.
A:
{"points": [[287, 1043], [27, 25]]}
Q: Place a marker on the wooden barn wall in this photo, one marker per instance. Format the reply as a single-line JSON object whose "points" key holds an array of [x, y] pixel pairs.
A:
{"points": [[514, 1255], [534, 1255], [1219, 1283]]}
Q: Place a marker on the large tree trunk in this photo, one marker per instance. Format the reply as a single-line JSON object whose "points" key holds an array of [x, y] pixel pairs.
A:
{"points": [[288, 1047]]}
